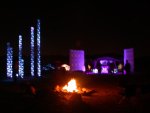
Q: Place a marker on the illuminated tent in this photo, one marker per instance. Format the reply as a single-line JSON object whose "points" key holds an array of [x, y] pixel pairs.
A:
{"points": [[106, 64]]}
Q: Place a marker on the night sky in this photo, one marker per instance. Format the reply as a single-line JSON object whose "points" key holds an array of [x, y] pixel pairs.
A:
{"points": [[98, 28]]}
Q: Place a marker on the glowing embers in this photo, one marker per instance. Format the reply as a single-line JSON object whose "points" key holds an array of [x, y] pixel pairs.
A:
{"points": [[71, 86]]}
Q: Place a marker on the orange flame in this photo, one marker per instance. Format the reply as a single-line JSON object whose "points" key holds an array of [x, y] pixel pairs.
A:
{"points": [[71, 86]]}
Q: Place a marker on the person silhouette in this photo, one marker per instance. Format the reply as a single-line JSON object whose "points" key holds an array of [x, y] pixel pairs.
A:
{"points": [[99, 67], [127, 67]]}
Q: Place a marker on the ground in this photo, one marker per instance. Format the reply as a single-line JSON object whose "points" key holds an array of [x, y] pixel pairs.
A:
{"points": [[108, 96]]}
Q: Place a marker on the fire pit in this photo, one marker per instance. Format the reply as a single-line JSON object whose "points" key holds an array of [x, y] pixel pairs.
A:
{"points": [[72, 88]]}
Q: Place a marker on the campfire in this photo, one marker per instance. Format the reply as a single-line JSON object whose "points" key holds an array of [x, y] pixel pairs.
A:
{"points": [[72, 92], [72, 87]]}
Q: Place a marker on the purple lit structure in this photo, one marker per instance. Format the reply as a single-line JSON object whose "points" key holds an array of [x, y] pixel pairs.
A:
{"points": [[129, 55], [106, 65], [77, 60], [105, 69]]}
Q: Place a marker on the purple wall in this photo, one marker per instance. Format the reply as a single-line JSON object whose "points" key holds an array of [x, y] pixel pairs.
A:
{"points": [[76, 60], [129, 55]]}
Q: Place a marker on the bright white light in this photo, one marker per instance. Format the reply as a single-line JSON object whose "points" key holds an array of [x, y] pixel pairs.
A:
{"points": [[95, 70], [67, 67], [71, 86], [16, 74], [83, 68]]}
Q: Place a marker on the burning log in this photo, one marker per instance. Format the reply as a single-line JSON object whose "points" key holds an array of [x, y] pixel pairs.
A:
{"points": [[89, 93], [71, 89]]}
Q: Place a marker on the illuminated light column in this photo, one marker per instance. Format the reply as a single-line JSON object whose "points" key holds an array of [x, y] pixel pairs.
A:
{"points": [[129, 55], [76, 60], [38, 49], [22, 67], [9, 61], [32, 51], [21, 62]]}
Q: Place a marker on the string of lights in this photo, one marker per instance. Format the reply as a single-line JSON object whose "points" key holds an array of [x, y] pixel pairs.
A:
{"points": [[9, 61], [32, 51], [21, 61], [38, 49]]}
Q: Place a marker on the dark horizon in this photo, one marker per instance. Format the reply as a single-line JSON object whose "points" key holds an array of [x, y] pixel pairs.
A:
{"points": [[98, 28]]}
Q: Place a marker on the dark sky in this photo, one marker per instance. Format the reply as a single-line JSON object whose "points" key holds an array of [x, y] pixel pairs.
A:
{"points": [[98, 27]]}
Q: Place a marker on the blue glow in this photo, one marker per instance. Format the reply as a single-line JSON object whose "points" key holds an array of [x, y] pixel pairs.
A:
{"points": [[115, 71], [48, 67], [38, 49], [32, 51], [21, 62], [9, 61], [22, 67]]}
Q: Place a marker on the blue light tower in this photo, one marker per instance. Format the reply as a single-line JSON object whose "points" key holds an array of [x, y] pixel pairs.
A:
{"points": [[38, 49], [32, 51], [9, 61], [21, 61]]}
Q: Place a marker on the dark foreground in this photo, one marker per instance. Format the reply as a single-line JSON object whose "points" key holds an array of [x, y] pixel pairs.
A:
{"points": [[109, 95]]}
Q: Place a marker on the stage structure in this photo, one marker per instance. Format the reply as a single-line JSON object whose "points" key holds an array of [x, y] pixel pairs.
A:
{"points": [[77, 60], [32, 51], [129, 55], [106, 65], [9, 61], [38, 49], [20, 59]]}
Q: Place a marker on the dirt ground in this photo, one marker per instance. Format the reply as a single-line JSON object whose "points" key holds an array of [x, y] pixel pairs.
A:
{"points": [[107, 96]]}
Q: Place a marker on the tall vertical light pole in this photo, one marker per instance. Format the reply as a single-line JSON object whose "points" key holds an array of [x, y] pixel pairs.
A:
{"points": [[32, 51], [9, 61], [38, 49], [21, 61]]}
